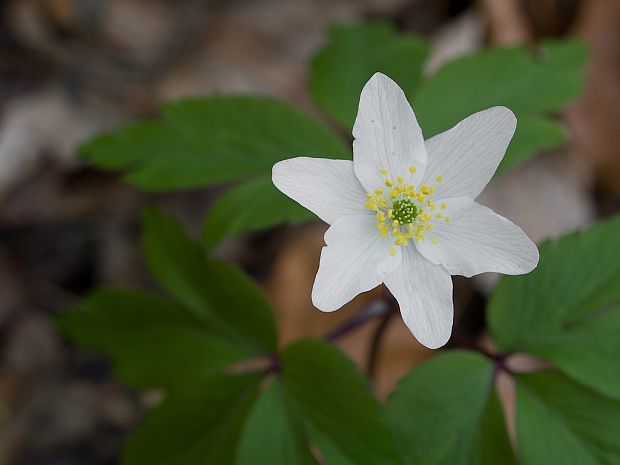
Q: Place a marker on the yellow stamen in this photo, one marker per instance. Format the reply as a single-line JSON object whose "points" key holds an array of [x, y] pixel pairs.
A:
{"points": [[423, 207]]}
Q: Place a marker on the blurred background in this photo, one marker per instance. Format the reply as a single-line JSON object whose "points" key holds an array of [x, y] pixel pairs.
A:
{"points": [[70, 69]]}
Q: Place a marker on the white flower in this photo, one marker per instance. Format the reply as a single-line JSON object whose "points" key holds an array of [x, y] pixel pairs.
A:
{"points": [[402, 212]]}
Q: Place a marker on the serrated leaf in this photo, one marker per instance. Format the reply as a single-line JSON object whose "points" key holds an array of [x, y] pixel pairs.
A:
{"points": [[201, 142], [567, 309], [253, 205], [153, 342], [353, 54], [559, 421], [342, 417], [446, 412], [201, 425], [271, 434], [213, 289], [534, 85]]}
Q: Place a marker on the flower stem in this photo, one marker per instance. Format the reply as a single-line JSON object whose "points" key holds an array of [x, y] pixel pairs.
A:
{"points": [[372, 311], [375, 343]]}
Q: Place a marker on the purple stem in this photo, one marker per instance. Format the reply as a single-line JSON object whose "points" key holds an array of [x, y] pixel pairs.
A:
{"points": [[374, 310], [498, 359], [275, 365], [385, 308]]}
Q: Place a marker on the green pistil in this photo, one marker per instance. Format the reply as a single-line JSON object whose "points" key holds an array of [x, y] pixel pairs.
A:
{"points": [[404, 211]]}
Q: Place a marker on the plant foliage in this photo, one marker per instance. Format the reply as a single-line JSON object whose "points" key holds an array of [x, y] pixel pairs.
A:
{"points": [[235, 140], [233, 396]]}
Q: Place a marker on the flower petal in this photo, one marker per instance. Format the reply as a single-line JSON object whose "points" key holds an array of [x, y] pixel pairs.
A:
{"points": [[353, 261], [424, 293], [467, 155], [387, 135], [477, 240], [328, 188]]}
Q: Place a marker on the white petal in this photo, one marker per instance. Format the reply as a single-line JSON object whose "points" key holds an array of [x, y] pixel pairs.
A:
{"points": [[353, 261], [467, 155], [387, 135], [477, 240], [328, 188], [424, 293]]}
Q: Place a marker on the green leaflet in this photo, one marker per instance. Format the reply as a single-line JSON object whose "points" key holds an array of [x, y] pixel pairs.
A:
{"points": [[272, 433], [201, 142], [255, 204], [446, 412], [533, 86], [208, 141], [353, 54], [341, 415], [153, 342], [217, 291], [566, 310], [199, 425], [560, 421]]}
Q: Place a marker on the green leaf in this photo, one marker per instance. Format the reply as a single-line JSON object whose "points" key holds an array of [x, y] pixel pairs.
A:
{"points": [[201, 142], [560, 421], [446, 412], [201, 425], [213, 289], [152, 342], [534, 134], [252, 205], [271, 434], [533, 85], [341, 415], [352, 55], [588, 351], [567, 310]]}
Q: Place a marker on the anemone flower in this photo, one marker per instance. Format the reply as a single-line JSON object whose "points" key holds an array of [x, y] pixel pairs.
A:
{"points": [[403, 213]]}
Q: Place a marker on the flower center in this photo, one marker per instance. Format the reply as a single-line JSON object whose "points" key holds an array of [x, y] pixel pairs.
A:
{"points": [[403, 212]]}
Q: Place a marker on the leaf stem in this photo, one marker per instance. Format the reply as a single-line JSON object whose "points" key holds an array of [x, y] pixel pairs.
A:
{"points": [[275, 365], [499, 359]]}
